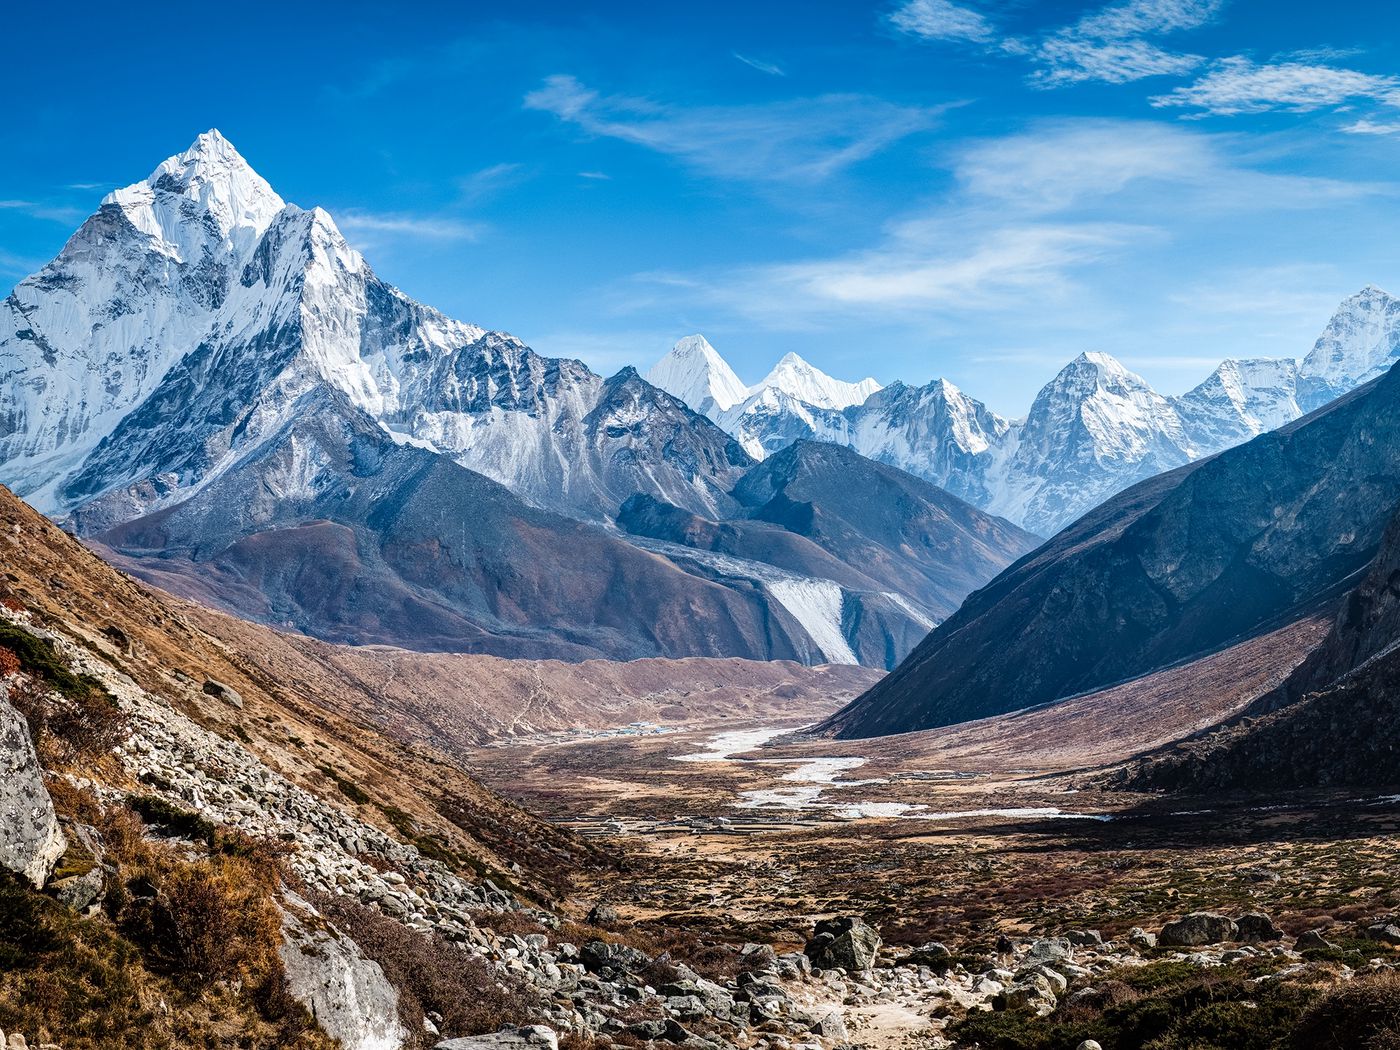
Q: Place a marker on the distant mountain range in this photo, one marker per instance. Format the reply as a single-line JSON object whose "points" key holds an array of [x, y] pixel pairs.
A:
{"points": [[211, 384], [1174, 568], [1092, 431]]}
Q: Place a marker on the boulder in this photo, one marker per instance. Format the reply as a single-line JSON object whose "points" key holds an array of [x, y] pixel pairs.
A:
{"points": [[1384, 932], [846, 943], [1140, 938], [528, 1037], [830, 1026], [1257, 927], [598, 956], [79, 880], [760, 958], [933, 954], [31, 840], [1200, 927], [1084, 938], [602, 915], [1032, 992], [227, 693], [1089, 1044], [1312, 939], [1049, 950], [349, 996]]}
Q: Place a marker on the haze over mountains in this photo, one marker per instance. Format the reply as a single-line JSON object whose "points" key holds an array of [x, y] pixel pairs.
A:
{"points": [[1092, 431], [215, 386]]}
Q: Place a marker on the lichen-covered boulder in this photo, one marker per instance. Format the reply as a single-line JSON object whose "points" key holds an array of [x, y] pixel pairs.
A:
{"points": [[347, 994], [30, 839]]}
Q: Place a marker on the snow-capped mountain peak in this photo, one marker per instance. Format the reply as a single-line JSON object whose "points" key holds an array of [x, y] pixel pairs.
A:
{"points": [[210, 178], [695, 372], [1361, 341], [810, 385]]}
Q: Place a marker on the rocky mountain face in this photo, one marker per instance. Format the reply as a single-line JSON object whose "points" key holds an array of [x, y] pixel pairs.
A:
{"points": [[911, 536], [1332, 724], [1176, 566], [1092, 431], [337, 530], [866, 553], [214, 385]]}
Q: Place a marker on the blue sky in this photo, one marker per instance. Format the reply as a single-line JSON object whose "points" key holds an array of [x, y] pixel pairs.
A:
{"points": [[906, 189]]}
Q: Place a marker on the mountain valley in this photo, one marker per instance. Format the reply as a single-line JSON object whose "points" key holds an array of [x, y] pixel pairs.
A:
{"points": [[371, 680]]}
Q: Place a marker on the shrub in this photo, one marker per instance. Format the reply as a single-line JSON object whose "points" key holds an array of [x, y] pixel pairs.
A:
{"points": [[222, 922], [1361, 1015], [9, 663], [70, 716], [431, 974]]}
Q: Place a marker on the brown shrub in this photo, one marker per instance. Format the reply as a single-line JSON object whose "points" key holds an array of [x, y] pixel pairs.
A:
{"points": [[223, 924], [1363, 1014], [13, 604], [9, 662], [431, 974], [81, 724]]}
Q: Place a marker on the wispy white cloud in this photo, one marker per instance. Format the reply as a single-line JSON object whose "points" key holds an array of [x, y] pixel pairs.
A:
{"points": [[488, 181], [12, 265], [402, 224], [63, 213], [943, 20], [1365, 126], [770, 68], [1030, 214], [601, 176], [796, 140], [1113, 44], [1238, 85]]}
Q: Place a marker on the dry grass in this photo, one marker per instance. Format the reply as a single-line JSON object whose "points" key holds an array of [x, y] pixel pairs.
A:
{"points": [[432, 975]]}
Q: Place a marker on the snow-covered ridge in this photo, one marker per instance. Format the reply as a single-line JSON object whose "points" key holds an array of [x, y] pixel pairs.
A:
{"points": [[1092, 431], [184, 321]]}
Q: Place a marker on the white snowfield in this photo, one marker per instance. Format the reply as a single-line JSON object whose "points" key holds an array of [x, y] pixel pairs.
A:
{"points": [[1092, 431]]}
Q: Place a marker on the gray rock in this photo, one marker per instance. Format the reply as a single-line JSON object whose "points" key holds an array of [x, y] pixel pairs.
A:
{"points": [[1049, 950], [1089, 1044], [933, 954], [30, 839], [1257, 927], [647, 1030], [1200, 927], [529, 1037], [349, 995], [598, 956], [1033, 992], [846, 943], [830, 1026], [1140, 938], [1384, 932], [603, 915], [79, 892], [759, 957], [1312, 939], [227, 693], [1084, 938]]}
